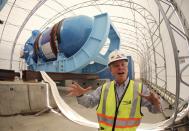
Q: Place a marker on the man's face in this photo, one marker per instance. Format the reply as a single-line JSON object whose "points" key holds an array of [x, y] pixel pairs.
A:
{"points": [[119, 70]]}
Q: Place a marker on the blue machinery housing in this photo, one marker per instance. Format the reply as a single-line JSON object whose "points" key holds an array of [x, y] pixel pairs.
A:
{"points": [[2, 4], [72, 45]]}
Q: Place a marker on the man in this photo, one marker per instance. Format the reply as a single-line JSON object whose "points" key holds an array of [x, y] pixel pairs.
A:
{"points": [[119, 101]]}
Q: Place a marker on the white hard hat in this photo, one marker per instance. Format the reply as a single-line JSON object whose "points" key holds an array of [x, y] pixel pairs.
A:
{"points": [[116, 55]]}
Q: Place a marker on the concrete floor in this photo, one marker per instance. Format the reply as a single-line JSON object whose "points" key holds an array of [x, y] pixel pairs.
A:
{"points": [[51, 121]]}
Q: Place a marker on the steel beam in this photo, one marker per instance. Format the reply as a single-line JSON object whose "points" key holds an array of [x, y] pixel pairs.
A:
{"points": [[33, 75]]}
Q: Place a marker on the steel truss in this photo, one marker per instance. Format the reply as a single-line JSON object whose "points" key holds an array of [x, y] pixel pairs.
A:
{"points": [[182, 32]]}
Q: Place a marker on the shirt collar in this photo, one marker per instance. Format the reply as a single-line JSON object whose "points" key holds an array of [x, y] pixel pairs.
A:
{"points": [[124, 85]]}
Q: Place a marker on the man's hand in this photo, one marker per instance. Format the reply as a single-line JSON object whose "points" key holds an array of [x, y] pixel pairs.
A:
{"points": [[76, 90], [155, 100]]}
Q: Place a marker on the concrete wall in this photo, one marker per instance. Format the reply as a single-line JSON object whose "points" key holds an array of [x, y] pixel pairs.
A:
{"points": [[19, 97]]}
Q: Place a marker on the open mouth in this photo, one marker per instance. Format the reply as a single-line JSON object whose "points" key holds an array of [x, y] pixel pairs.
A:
{"points": [[121, 73]]}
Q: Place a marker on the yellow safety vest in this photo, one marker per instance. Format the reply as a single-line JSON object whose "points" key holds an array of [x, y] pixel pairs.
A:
{"points": [[126, 115]]}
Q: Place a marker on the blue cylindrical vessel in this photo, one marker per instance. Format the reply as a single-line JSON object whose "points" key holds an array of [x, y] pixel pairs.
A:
{"points": [[74, 32], [73, 44], [66, 37]]}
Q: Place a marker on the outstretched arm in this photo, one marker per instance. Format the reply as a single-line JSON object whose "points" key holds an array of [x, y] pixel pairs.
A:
{"points": [[153, 99], [88, 100], [76, 90]]}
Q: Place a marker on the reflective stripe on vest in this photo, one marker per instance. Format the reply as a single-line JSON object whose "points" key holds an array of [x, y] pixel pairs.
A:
{"points": [[120, 122], [106, 117]]}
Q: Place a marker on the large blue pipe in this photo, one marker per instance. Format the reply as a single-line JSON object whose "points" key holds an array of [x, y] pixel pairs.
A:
{"points": [[71, 32], [74, 33], [72, 45]]}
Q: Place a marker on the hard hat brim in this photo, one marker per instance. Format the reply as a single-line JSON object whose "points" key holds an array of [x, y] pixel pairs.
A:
{"points": [[118, 60]]}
